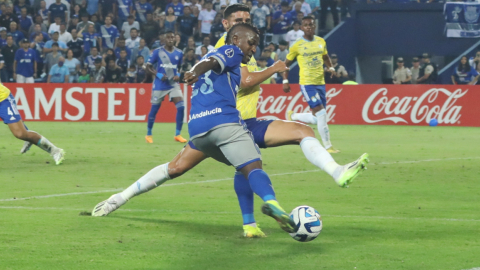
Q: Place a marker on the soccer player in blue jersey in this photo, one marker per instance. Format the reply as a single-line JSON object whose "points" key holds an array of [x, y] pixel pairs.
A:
{"points": [[166, 81], [141, 8], [109, 34], [25, 64]]}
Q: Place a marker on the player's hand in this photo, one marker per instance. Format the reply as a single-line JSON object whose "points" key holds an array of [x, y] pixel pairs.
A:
{"points": [[176, 78], [190, 77], [164, 78], [280, 66], [286, 88]]}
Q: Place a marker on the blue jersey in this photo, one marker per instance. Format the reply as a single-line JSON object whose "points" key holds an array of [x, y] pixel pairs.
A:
{"points": [[124, 8], [117, 52], [282, 26], [89, 41], [3, 42], [142, 10], [57, 11], [177, 9], [109, 34], [25, 61], [214, 95], [25, 23], [167, 64], [17, 36]]}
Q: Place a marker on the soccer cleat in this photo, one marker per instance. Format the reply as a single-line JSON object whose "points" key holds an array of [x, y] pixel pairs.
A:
{"points": [[108, 206], [289, 115], [273, 209], [26, 147], [59, 156], [332, 150], [352, 170], [252, 232], [179, 138], [149, 138]]}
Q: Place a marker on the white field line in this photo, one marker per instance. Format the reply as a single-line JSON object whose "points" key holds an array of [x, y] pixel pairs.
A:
{"points": [[217, 180], [236, 213]]}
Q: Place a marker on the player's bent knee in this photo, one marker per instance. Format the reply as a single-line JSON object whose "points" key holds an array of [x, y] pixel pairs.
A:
{"points": [[301, 132], [176, 169]]}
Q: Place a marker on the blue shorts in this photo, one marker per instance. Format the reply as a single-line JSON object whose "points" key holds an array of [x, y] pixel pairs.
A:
{"points": [[314, 95], [8, 110]]}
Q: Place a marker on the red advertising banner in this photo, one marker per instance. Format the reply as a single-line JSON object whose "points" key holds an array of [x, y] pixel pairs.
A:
{"points": [[451, 105]]}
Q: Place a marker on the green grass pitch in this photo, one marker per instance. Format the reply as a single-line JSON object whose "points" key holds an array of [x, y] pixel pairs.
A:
{"points": [[416, 207]]}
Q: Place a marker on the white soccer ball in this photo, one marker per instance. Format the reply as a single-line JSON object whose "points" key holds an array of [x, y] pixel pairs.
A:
{"points": [[308, 221]]}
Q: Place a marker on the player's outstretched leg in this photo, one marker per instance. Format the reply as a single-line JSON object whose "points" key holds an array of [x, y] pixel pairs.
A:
{"points": [[26, 145], [184, 161], [179, 120], [20, 132], [245, 199], [151, 119]]}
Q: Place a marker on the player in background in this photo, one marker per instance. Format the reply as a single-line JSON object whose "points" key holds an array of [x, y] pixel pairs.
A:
{"points": [[311, 53], [166, 79], [266, 133], [10, 116]]}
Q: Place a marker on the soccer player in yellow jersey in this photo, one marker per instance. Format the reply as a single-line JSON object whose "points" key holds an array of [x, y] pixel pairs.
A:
{"points": [[311, 53], [10, 116], [266, 133]]}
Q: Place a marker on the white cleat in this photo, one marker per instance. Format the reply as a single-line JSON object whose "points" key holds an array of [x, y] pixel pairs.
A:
{"points": [[59, 156], [26, 147], [108, 206]]}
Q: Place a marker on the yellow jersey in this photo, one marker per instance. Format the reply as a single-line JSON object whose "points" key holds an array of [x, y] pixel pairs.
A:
{"points": [[4, 92], [247, 98], [309, 56]]}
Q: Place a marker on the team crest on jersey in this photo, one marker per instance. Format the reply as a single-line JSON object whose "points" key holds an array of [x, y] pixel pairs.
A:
{"points": [[229, 53], [176, 57]]}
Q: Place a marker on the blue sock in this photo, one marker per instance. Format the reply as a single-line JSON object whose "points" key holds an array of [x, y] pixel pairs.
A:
{"points": [[261, 184], [245, 197], [179, 119], [151, 118]]}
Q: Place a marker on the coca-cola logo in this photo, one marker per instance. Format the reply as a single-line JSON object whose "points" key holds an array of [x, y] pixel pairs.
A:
{"points": [[436, 103]]}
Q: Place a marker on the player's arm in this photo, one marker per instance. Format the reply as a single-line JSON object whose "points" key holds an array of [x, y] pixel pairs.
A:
{"points": [[15, 69], [328, 63], [201, 68], [250, 79], [286, 85]]}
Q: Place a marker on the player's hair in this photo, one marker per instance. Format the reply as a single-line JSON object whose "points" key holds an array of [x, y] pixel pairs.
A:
{"points": [[244, 25], [308, 18], [234, 8]]}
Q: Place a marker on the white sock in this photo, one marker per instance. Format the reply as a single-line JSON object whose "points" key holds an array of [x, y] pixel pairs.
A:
{"points": [[46, 145], [304, 117], [323, 128], [318, 156], [154, 178]]}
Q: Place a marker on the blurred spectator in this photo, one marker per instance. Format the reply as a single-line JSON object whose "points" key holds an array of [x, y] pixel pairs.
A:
{"points": [[150, 29], [43, 12], [17, 35], [464, 73], [8, 52], [52, 57], [3, 36], [281, 23], [273, 50], [206, 43], [91, 39], [140, 71], [38, 30], [325, 4], [134, 40], [131, 74], [107, 6], [217, 29], [84, 77], [18, 7], [142, 7], [25, 21], [7, 17], [402, 75], [92, 57], [315, 6], [113, 73], [168, 22], [203, 52], [25, 64], [178, 42], [83, 7], [177, 7], [267, 55], [73, 65], [341, 73], [121, 46], [428, 71], [109, 34], [3, 74], [297, 8], [64, 36], [282, 50], [83, 25], [125, 8], [58, 9], [97, 73], [415, 70], [39, 21], [48, 45], [55, 26], [110, 54], [142, 50], [92, 7], [73, 23], [186, 24], [59, 73], [96, 23], [188, 62], [304, 7], [205, 19], [196, 4], [38, 45], [123, 62], [76, 44], [345, 7], [190, 45], [128, 25], [475, 61], [262, 65], [294, 34], [261, 19]]}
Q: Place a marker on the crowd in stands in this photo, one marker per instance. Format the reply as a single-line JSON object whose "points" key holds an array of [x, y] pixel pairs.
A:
{"points": [[111, 40]]}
